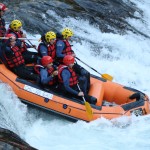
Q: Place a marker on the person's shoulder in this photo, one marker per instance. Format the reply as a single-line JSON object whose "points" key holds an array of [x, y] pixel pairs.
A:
{"points": [[42, 44], [59, 43], [43, 70], [65, 70]]}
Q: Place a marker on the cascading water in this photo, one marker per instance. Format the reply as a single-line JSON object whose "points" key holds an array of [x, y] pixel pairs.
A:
{"points": [[125, 57]]}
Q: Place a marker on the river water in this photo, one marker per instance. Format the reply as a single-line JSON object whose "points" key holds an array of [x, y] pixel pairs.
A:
{"points": [[126, 58]]}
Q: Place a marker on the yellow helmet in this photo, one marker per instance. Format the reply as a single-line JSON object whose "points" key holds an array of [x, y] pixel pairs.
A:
{"points": [[67, 33], [49, 36], [15, 25]]}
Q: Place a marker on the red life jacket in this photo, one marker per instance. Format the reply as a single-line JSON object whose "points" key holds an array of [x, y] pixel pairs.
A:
{"points": [[37, 68], [17, 59], [51, 49], [67, 50], [18, 34], [50, 71], [73, 79], [2, 27]]}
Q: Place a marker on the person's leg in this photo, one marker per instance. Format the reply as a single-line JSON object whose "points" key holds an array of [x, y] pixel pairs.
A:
{"points": [[83, 86], [30, 57], [90, 99], [83, 72], [25, 73], [83, 83]]}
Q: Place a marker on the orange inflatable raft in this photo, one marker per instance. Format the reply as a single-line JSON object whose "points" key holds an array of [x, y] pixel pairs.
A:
{"points": [[105, 91]]}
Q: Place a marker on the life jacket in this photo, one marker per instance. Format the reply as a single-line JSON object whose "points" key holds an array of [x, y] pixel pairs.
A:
{"points": [[51, 49], [2, 27], [50, 71], [73, 79], [16, 60], [67, 50], [37, 68], [18, 34]]}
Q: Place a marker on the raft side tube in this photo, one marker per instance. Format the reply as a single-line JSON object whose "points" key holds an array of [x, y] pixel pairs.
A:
{"points": [[97, 91]]}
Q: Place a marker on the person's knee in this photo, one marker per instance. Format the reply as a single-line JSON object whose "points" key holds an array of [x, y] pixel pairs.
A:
{"points": [[91, 99], [82, 78], [84, 72]]}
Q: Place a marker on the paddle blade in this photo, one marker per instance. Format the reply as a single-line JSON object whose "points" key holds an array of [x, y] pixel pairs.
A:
{"points": [[89, 110], [107, 77]]}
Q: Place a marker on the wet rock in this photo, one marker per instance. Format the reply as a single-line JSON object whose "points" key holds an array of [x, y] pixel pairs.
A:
{"points": [[11, 141], [38, 17]]}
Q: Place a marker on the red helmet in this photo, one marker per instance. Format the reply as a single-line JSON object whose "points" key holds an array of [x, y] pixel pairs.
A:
{"points": [[68, 59], [10, 35], [3, 7], [46, 60]]}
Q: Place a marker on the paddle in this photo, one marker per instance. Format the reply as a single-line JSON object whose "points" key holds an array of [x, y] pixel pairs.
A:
{"points": [[87, 106], [32, 44], [105, 76], [19, 38]]}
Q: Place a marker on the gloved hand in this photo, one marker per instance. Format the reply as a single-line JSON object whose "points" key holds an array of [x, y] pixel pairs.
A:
{"points": [[74, 55], [55, 73], [12, 38], [22, 44], [24, 35], [80, 94]]}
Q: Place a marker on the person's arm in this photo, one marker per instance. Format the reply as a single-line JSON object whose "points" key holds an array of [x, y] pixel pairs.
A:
{"points": [[44, 76], [59, 48], [66, 76], [7, 50], [18, 43], [3, 29], [43, 50], [3, 22]]}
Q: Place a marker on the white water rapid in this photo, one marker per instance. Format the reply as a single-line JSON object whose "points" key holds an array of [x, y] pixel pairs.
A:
{"points": [[126, 58]]}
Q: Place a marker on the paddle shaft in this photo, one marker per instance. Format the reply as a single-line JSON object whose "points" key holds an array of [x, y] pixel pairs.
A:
{"points": [[32, 44], [88, 65], [18, 38], [87, 106], [80, 91]]}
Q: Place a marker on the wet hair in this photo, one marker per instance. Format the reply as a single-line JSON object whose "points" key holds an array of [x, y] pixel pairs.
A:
{"points": [[59, 36], [43, 39]]}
